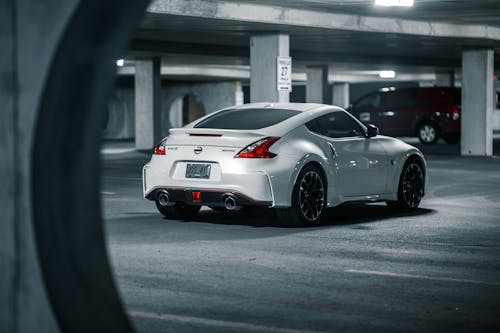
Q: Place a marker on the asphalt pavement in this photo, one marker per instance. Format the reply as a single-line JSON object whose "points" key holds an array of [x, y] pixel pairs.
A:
{"points": [[366, 269]]}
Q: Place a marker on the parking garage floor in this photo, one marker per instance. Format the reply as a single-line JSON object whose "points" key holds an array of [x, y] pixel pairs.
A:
{"points": [[366, 269]]}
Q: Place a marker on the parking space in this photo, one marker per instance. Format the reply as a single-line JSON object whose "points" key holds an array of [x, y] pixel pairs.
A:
{"points": [[365, 269]]}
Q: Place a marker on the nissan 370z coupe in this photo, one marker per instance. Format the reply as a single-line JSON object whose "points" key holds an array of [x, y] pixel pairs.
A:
{"points": [[296, 158]]}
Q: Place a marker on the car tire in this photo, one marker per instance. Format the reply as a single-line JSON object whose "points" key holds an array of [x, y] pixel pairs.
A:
{"points": [[179, 211], [428, 133], [308, 199], [410, 188]]}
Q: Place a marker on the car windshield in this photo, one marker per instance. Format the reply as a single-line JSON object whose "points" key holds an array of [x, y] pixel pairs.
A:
{"points": [[246, 119]]}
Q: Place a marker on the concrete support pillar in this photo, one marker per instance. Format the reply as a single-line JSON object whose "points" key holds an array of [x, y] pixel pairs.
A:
{"points": [[445, 79], [264, 52], [317, 89], [239, 97], [477, 102], [341, 94], [147, 103]]}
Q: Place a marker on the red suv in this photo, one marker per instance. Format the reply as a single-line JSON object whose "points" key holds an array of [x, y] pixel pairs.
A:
{"points": [[428, 113]]}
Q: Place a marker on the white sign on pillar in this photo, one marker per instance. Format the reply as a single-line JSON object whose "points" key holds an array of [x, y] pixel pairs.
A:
{"points": [[284, 74]]}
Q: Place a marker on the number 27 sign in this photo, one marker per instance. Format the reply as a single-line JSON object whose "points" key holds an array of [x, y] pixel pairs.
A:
{"points": [[284, 74]]}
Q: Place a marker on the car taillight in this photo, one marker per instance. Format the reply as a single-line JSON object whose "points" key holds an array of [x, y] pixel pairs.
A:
{"points": [[160, 148], [455, 112], [258, 149]]}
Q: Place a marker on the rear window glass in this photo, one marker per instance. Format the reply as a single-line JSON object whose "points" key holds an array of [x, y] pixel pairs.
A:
{"points": [[246, 119]]}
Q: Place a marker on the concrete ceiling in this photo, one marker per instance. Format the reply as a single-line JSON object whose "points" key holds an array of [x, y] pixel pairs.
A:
{"points": [[354, 35], [219, 37], [484, 12]]}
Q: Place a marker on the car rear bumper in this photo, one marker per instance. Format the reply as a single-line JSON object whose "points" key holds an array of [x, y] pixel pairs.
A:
{"points": [[207, 197], [249, 188]]}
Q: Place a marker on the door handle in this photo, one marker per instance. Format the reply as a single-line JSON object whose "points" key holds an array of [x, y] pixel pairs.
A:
{"points": [[387, 113]]}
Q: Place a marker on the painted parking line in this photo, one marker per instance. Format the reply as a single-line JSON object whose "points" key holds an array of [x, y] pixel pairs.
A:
{"points": [[108, 151], [236, 325], [422, 277], [107, 193]]}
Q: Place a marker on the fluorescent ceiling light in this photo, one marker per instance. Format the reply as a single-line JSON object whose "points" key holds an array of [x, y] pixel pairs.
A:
{"points": [[394, 3], [120, 62], [388, 89], [387, 74]]}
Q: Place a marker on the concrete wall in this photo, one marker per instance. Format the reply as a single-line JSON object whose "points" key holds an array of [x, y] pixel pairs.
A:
{"points": [[120, 123], [29, 33], [212, 95]]}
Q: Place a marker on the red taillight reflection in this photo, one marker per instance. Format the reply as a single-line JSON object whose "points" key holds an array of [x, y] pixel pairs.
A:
{"points": [[455, 112], [160, 148], [258, 149]]}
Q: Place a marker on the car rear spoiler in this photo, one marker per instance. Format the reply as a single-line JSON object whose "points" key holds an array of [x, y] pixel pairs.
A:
{"points": [[213, 132]]}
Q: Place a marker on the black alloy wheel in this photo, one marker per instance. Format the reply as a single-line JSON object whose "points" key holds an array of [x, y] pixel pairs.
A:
{"points": [[411, 187], [311, 195], [308, 199]]}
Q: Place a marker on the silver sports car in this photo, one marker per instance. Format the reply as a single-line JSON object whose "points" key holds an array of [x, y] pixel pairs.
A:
{"points": [[296, 158]]}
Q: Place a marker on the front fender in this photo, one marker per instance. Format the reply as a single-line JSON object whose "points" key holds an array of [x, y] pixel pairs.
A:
{"points": [[400, 162]]}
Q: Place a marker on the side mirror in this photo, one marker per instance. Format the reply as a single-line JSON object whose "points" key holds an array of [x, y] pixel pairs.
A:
{"points": [[371, 130]]}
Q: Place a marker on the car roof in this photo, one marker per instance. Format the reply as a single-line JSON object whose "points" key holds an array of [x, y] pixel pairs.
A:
{"points": [[284, 106], [308, 111]]}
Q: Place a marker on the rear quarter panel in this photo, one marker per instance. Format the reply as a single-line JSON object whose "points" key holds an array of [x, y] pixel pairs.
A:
{"points": [[298, 148]]}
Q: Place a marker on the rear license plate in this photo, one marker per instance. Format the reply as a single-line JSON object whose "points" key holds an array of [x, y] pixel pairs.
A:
{"points": [[198, 171]]}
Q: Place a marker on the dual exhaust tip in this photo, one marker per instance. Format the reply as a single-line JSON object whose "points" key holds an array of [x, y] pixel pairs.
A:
{"points": [[163, 199], [228, 199], [230, 202]]}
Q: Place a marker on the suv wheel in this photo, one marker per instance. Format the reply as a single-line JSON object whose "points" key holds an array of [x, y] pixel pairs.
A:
{"points": [[428, 133]]}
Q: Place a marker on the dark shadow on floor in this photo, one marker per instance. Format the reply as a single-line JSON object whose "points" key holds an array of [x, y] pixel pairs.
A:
{"points": [[141, 228], [364, 213], [342, 215]]}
